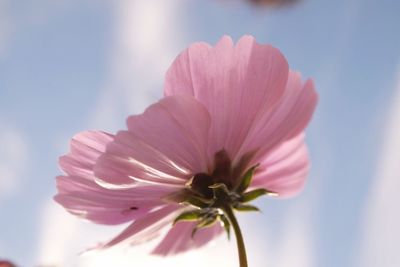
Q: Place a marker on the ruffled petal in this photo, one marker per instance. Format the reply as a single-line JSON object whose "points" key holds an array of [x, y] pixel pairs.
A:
{"points": [[235, 83], [179, 238], [85, 148], [288, 119], [82, 196], [165, 145], [285, 169]]}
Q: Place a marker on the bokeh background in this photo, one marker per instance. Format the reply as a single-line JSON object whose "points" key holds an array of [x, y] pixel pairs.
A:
{"points": [[69, 65]]}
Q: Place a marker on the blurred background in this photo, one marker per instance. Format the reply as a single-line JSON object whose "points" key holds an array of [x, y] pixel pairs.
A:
{"points": [[69, 65]]}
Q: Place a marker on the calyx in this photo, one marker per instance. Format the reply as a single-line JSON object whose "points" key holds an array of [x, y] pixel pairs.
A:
{"points": [[207, 196]]}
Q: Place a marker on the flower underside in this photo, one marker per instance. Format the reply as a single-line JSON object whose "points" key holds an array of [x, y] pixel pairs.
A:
{"points": [[209, 196]]}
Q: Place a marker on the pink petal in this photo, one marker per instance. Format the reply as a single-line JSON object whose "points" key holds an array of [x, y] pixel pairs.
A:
{"points": [[88, 200], [68, 184], [86, 147], [285, 169], [288, 119], [165, 145], [146, 226], [235, 83], [82, 196], [178, 238]]}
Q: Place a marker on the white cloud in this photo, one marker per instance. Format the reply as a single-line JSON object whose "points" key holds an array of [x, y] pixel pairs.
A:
{"points": [[63, 237], [294, 248], [381, 232], [297, 247], [57, 234], [146, 41], [13, 159], [213, 254]]}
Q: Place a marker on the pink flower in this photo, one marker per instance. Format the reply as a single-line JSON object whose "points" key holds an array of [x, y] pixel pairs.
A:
{"points": [[4, 263], [229, 129]]}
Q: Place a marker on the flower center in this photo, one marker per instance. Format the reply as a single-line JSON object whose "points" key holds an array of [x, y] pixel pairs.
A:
{"points": [[219, 187], [210, 195]]}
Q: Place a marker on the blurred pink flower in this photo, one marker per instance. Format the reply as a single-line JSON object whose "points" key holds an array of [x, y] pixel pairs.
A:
{"points": [[4, 263], [228, 111]]}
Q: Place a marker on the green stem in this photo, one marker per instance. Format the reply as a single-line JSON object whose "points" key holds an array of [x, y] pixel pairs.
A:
{"points": [[239, 238]]}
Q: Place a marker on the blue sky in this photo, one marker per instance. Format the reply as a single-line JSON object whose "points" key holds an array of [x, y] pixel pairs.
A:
{"points": [[67, 66]]}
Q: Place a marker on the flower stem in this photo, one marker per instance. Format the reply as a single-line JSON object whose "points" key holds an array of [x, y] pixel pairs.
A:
{"points": [[239, 238]]}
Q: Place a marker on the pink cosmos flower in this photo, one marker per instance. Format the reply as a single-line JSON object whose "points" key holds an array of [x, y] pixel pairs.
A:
{"points": [[4, 263], [229, 129]]}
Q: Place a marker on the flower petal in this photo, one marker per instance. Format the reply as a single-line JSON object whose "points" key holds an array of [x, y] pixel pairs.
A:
{"points": [[85, 147], [285, 169], [288, 119], [165, 145], [145, 226], [90, 201], [234, 82], [179, 239], [82, 196]]}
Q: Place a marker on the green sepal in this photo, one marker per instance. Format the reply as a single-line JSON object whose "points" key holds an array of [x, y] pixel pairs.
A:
{"points": [[189, 216], [256, 193], [186, 196], [246, 179], [226, 224], [198, 201], [220, 191], [219, 186], [245, 207], [205, 222]]}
